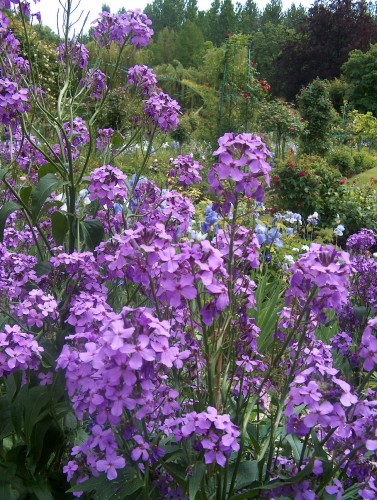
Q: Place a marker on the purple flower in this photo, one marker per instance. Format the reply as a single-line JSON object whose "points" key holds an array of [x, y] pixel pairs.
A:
{"points": [[107, 185], [186, 169], [12, 101], [95, 82], [163, 110], [110, 464], [336, 489], [132, 25], [142, 78], [77, 54]]}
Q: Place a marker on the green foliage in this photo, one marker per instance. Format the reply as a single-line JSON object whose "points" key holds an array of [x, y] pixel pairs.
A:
{"points": [[283, 120], [360, 72], [358, 208], [343, 160], [363, 161], [316, 109], [307, 186], [190, 45]]}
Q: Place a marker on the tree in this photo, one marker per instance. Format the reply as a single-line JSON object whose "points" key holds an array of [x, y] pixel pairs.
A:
{"points": [[105, 8], [227, 19], [189, 45], [166, 14], [360, 72], [191, 10], [294, 16], [316, 109], [328, 33], [164, 48], [273, 12], [248, 17]]}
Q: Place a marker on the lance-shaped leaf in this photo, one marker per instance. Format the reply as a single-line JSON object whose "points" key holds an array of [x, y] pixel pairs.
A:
{"points": [[5, 211], [47, 185]]}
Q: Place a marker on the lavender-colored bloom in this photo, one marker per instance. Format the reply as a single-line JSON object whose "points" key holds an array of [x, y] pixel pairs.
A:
{"points": [[368, 350], [132, 25], [107, 185], [77, 54], [104, 137], [186, 169], [142, 78], [313, 219], [110, 464], [18, 351], [163, 110], [12, 101], [339, 230], [361, 242], [95, 82]]}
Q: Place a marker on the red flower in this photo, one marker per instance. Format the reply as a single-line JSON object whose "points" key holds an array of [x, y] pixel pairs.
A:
{"points": [[301, 173], [246, 95], [342, 181], [228, 35], [262, 82], [275, 179], [291, 129]]}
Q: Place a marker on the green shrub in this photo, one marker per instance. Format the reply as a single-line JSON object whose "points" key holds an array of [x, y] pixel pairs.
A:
{"points": [[308, 185], [358, 209], [363, 161], [343, 160]]}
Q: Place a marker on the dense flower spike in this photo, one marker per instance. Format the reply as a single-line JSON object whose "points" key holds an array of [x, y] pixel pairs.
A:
{"points": [[12, 101], [75, 53], [242, 160], [95, 82], [163, 110], [18, 351], [186, 169], [132, 25], [107, 185], [143, 79]]}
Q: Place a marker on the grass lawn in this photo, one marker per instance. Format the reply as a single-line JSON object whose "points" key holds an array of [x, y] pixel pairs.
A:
{"points": [[364, 178]]}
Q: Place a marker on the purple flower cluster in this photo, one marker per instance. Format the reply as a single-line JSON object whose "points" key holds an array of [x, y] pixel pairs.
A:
{"points": [[95, 82], [361, 242], [322, 269], [107, 185], [143, 78], [133, 25], [186, 169], [368, 351], [12, 101], [77, 131], [36, 308], [75, 53], [242, 161], [104, 138], [163, 110], [215, 434], [18, 351]]}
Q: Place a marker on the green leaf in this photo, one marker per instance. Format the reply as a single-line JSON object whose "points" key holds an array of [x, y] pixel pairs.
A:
{"points": [[47, 185], [247, 473], [296, 446], [3, 173], [42, 269], [59, 227], [8, 208], [91, 233], [117, 140], [46, 169], [177, 473], [25, 194], [195, 479]]}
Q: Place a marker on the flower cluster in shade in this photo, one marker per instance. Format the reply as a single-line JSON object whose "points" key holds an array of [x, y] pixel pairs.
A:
{"points": [[242, 164], [143, 78], [107, 185], [163, 111], [214, 434], [104, 138], [186, 170], [131, 25], [18, 351]]}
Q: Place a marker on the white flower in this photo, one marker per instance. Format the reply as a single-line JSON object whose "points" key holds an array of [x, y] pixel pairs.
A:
{"points": [[305, 248], [289, 259], [339, 230], [295, 249]]}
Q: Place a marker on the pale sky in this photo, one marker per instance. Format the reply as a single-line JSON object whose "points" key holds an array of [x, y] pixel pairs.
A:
{"points": [[49, 8]]}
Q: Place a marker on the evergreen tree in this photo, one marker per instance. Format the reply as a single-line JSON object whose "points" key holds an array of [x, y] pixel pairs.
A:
{"points": [[294, 16], [273, 12], [248, 17], [190, 45], [191, 10]]}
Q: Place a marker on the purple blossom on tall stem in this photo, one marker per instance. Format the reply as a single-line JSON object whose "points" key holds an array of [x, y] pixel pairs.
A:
{"points": [[143, 78], [12, 101], [163, 110], [76, 53], [107, 185], [186, 169]]}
